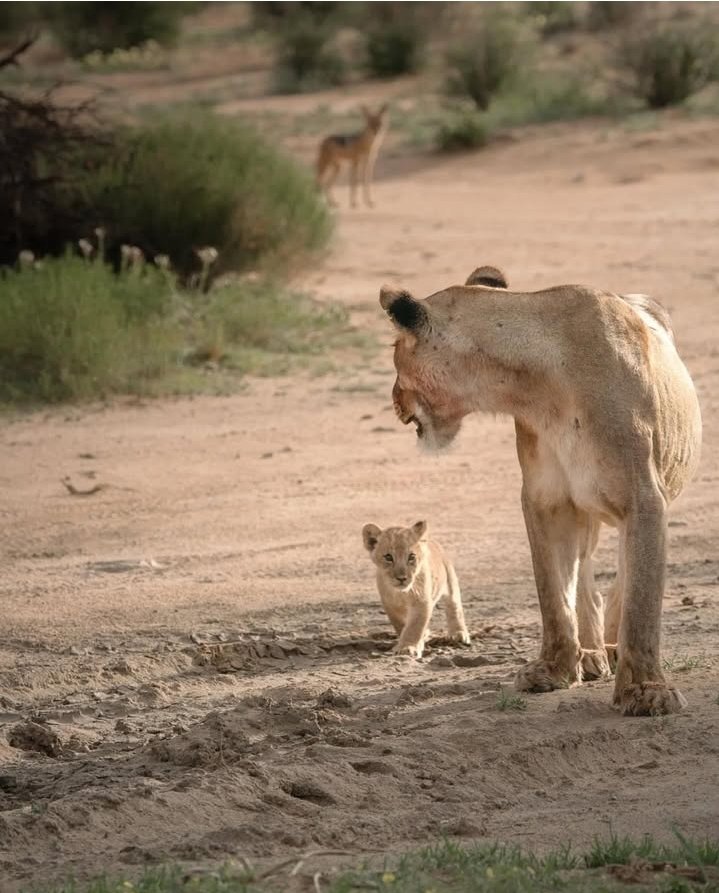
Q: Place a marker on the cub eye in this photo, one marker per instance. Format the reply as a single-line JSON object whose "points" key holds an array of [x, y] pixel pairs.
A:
{"points": [[411, 558], [388, 558]]}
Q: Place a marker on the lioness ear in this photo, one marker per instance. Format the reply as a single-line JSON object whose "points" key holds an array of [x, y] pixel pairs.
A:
{"points": [[403, 309], [491, 276], [419, 529], [370, 535]]}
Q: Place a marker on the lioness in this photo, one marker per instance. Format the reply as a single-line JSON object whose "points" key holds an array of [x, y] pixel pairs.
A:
{"points": [[608, 431], [413, 574]]}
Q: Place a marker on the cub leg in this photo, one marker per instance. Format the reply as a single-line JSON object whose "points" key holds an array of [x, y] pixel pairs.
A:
{"points": [[590, 619], [554, 542], [640, 686], [415, 631], [396, 613], [456, 627]]}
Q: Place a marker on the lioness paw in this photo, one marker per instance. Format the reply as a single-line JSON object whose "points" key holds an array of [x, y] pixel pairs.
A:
{"points": [[461, 636], [595, 664], [649, 699], [545, 675]]}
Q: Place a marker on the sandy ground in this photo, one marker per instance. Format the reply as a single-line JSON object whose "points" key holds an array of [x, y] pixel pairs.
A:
{"points": [[200, 644]]}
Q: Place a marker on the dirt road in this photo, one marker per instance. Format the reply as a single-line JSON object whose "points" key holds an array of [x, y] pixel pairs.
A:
{"points": [[202, 641]]}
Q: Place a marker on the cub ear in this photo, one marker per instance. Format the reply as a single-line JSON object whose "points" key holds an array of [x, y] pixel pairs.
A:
{"points": [[383, 108], [365, 111], [491, 276], [370, 535], [419, 529], [403, 309]]}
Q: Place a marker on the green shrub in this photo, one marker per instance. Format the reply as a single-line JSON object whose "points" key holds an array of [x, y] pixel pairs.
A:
{"points": [[71, 329], [87, 26], [603, 14], [261, 317], [553, 17], [670, 64], [393, 50], [548, 98], [487, 61], [178, 183], [462, 130], [17, 19], [169, 185], [306, 61]]}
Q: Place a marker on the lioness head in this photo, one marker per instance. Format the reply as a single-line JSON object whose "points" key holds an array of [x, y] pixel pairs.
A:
{"points": [[394, 551], [428, 390]]}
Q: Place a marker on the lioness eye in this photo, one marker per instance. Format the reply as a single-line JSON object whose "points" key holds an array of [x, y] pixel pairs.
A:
{"points": [[411, 558], [388, 558]]}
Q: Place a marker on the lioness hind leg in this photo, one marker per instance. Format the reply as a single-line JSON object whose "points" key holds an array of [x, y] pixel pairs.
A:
{"points": [[554, 541], [640, 686], [456, 626], [590, 618]]}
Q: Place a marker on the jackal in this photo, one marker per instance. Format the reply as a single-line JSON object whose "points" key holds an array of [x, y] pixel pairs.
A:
{"points": [[359, 149]]}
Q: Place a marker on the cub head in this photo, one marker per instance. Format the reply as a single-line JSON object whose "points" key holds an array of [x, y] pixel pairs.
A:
{"points": [[430, 357], [394, 551]]}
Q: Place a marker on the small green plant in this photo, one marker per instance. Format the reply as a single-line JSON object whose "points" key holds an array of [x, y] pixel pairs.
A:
{"points": [[670, 64], [462, 130], [682, 663], [451, 867], [507, 701], [149, 56], [487, 61]]}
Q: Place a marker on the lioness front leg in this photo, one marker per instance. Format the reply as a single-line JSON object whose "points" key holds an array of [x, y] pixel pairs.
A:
{"points": [[554, 541], [640, 687], [415, 631], [590, 616]]}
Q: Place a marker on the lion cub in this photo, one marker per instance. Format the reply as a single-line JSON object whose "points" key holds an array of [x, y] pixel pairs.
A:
{"points": [[412, 575]]}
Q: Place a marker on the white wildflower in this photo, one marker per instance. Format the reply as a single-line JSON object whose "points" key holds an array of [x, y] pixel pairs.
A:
{"points": [[86, 247]]}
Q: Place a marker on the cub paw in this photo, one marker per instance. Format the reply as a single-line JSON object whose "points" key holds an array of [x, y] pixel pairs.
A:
{"points": [[461, 636], [595, 664], [411, 650], [545, 675], [649, 699]]}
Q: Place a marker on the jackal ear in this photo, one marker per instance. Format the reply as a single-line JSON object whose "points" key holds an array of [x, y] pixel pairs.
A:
{"points": [[370, 535], [383, 108], [419, 529], [491, 276], [403, 309], [365, 111]]}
